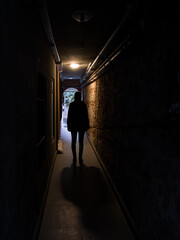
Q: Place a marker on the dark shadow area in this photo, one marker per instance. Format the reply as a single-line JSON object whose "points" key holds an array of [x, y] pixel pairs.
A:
{"points": [[87, 189]]}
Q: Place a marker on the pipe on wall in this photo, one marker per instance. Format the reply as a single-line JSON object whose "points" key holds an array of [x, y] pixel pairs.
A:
{"points": [[121, 47], [49, 34], [88, 74]]}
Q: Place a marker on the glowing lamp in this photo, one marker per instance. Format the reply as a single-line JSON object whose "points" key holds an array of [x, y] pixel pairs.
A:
{"points": [[74, 65]]}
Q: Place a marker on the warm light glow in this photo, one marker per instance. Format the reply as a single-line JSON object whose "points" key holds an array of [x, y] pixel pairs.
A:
{"points": [[74, 65]]}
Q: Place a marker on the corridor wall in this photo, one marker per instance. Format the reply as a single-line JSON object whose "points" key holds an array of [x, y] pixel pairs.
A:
{"points": [[134, 129], [28, 118]]}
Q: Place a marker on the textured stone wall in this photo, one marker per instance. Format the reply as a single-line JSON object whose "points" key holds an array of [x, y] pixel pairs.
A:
{"points": [[24, 53], [134, 133]]}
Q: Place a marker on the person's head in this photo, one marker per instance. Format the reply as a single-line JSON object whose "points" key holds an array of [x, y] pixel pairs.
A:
{"points": [[77, 96]]}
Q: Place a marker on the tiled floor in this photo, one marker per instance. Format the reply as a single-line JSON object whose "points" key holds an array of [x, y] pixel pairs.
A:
{"points": [[81, 204]]}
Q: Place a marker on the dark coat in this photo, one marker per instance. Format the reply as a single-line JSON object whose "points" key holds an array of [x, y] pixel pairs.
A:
{"points": [[78, 116]]}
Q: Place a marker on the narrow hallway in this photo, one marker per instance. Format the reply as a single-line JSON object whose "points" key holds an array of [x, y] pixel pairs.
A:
{"points": [[81, 203], [124, 59]]}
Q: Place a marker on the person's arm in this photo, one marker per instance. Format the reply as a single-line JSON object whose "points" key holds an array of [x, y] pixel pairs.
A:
{"points": [[69, 118]]}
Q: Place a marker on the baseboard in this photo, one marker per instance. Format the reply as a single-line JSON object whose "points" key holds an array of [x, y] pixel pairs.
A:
{"points": [[122, 205], [41, 214]]}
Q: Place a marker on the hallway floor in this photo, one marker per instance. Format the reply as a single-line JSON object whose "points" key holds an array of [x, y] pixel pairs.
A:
{"points": [[81, 204]]}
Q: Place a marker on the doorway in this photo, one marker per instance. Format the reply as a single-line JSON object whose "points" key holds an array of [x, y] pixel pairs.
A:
{"points": [[68, 97]]}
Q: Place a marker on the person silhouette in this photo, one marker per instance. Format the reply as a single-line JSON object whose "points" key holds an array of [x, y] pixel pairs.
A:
{"points": [[77, 122]]}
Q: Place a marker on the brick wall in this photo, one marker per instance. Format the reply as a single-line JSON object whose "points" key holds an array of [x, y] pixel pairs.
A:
{"points": [[134, 133]]}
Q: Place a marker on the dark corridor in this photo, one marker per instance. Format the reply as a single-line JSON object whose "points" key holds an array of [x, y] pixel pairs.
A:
{"points": [[124, 58], [81, 203]]}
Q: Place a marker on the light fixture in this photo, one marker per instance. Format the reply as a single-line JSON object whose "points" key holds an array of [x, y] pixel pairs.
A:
{"points": [[82, 15], [74, 65]]}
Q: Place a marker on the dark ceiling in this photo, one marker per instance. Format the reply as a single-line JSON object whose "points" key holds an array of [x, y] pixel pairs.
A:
{"points": [[80, 42]]}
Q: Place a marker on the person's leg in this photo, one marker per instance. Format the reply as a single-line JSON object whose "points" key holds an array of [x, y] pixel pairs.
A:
{"points": [[73, 144], [81, 145]]}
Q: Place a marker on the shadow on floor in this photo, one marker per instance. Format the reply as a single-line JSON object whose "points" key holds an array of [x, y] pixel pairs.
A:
{"points": [[87, 189]]}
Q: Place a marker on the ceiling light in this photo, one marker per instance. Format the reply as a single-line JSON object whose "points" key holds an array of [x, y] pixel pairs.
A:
{"points": [[82, 15], [74, 65]]}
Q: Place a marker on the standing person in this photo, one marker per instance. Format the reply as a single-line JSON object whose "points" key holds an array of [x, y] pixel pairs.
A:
{"points": [[77, 121]]}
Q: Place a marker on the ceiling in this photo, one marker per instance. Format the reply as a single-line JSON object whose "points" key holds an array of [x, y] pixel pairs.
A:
{"points": [[80, 42]]}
